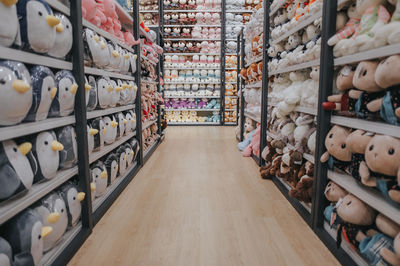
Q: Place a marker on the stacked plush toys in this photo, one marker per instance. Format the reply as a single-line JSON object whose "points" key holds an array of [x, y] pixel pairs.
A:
{"points": [[192, 103], [188, 117]]}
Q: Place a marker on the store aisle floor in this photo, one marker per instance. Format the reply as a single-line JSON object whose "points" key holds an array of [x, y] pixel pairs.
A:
{"points": [[199, 202]]}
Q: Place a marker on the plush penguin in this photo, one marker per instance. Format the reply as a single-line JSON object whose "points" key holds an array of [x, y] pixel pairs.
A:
{"points": [[115, 57], [129, 155], [128, 126], [16, 92], [121, 125], [133, 62], [122, 159], [26, 233], [135, 147], [63, 103], [99, 177], [37, 25], [116, 92], [91, 43], [133, 120], [53, 212], [16, 169], [91, 133], [124, 94], [112, 167], [5, 252], [98, 124], [104, 53], [63, 43], [46, 150], [8, 22], [132, 92], [69, 155], [44, 90], [72, 198], [91, 93], [126, 62], [111, 129], [104, 92]]}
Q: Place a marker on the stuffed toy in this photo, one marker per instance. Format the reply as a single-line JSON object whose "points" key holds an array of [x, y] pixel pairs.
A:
{"points": [[115, 94], [122, 159], [381, 168], [16, 168], [333, 193], [98, 124], [303, 189], [9, 22], [254, 147], [110, 125], [53, 213], [389, 33], [247, 141], [349, 28], [89, 9], [386, 79], [63, 41], [91, 93], [112, 166], [135, 147], [6, 253], [64, 101], [17, 92], [302, 132], [338, 154], [98, 177], [37, 25], [26, 233], [91, 132], [130, 154], [69, 154], [121, 120]]}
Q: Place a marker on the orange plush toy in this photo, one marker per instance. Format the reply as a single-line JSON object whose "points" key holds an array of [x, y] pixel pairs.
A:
{"points": [[260, 71], [243, 74], [254, 45]]}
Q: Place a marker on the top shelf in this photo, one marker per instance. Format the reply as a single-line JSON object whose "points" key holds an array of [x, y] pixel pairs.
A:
{"points": [[193, 11], [273, 11], [239, 11], [59, 6]]}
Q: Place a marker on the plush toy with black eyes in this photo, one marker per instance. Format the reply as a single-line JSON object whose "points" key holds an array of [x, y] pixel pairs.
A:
{"points": [[91, 43], [124, 94], [37, 25], [16, 99], [135, 147], [121, 125], [63, 42], [122, 159], [53, 212], [91, 132], [129, 155], [338, 154], [110, 125], [91, 93], [8, 22], [98, 124], [69, 155], [64, 101], [112, 166], [104, 92], [99, 176], [72, 198], [115, 93]]}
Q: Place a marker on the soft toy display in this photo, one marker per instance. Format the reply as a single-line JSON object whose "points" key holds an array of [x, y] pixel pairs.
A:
{"points": [[63, 42], [99, 178], [254, 146], [91, 93], [112, 166], [110, 125], [9, 22], [72, 198], [64, 100], [69, 154]]}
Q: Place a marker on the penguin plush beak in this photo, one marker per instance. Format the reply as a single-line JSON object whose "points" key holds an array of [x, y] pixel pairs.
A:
{"points": [[103, 175], [60, 28], [125, 121], [136, 88], [9, 2], [105, 131], [87, 87], [127, 56], [116, 168], [125, 86], [46, 230], [102, 45], [125, 157], [53, 217], [56, 146], [115, 54], [110, 89], [92, 187], [20, 86], [25, 148], [134, 56], [52, 20], [81, 196], [132, 153], [53, 92], [118, 89], [93, 132], [74, 88], [114, 124], [96, 38]]}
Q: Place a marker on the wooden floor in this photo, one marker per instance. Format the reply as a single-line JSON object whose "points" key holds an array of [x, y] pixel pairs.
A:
{"points": [[199, 202]]}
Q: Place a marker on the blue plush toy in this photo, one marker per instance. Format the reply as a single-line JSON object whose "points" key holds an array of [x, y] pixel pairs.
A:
{"points": [[242, 145]]}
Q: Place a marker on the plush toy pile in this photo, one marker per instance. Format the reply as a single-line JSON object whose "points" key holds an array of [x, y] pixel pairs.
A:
{"points": [[148, 5], [198, 46], [231, 61], [193, 76], [192, 5], [196, 32], [191, 117], [192, 62], [192, 90], [230, 117], [149, 18], [192, 103], [253, 35], [150, 99]]}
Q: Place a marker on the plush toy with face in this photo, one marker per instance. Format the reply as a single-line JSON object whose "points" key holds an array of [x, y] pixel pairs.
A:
{"points": [[115, 56], [112, 167], [110, 131], [338, 154], [98, 173], [69, 155], [122, 159], [91, 132], [53, 213], [6, 257], [91, 42], [104, 92], [349, 28], [9, 22], [16, 101], [98, 124], [91, 93], [72, 198], [116, 93], [122, 122], [37, 25], [63, 42], [64, 100], [16, 168]]}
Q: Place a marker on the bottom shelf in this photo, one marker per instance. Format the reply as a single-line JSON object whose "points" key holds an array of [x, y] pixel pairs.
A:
{"points": [[306, 206], [255, 158], [147, 153], [230, 124], [193, 123]]}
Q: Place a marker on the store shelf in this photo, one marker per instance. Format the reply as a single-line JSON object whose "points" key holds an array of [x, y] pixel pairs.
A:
{"points": [[189, 54], [176, 83], [49, 257], [34, 59], [231, 54], [368, 195], [13, 206], [191, 11], [377, 127], [191, 68], [230, 110], [101, 72], [24, 129], [191, 26], [148, 81], [231, 82], [190, 39], [258, 84], [100, 200], [252, 116], [98, 113], [306, 206], [149, 151], [109, 148], [231, 96], [307, 110], [106, 35], [198, 110], [230, 68], [299, 26], [368, 55], [123, 16], [148, 124], [276, 8], [256, 60], [230, 40], [148, 11], [230, 123], [238, 11], [191, 97], [59, 6], [296, 67], [193, 123]]}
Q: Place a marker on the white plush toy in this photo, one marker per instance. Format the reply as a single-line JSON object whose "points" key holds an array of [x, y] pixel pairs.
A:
{"points": [[389, 33], [293, 92]]}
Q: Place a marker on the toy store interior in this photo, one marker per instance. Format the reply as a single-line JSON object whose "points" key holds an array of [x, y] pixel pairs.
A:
{"points": [[199, 132]]}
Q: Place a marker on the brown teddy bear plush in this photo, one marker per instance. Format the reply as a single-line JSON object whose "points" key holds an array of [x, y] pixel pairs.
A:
{"points": [[357, 142], [271, 168], [303, 189], [338, 155], [387, 77], [306, 169], [243, 74], [345, 101], [370, 100], [381, 168]]}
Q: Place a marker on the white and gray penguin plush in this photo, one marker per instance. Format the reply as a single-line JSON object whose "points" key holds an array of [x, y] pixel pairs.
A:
{"points": [[104, 92], [63, 103], [72, 198], [16, 92], [8, 22], [128, 126], [99, 125], [129, 155], [17, 168], [91, 132], [112, 166], [116, 92], [121, 124], [124, 94], [133, 121], [44, 90], [91, 94], [122, 160], [37, 25], [92, 50], [111, 129], [99, 177], [26, 233], [135, 147], [69, 155], [53, 213], [115, 57], [6, 258], [46, 150], [63, 43]]}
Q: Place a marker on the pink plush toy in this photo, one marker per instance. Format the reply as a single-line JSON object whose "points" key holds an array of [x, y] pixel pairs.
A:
{"points": [[89, 9], [99, 18], [202, 103], [254, 146], [129, 39]]}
